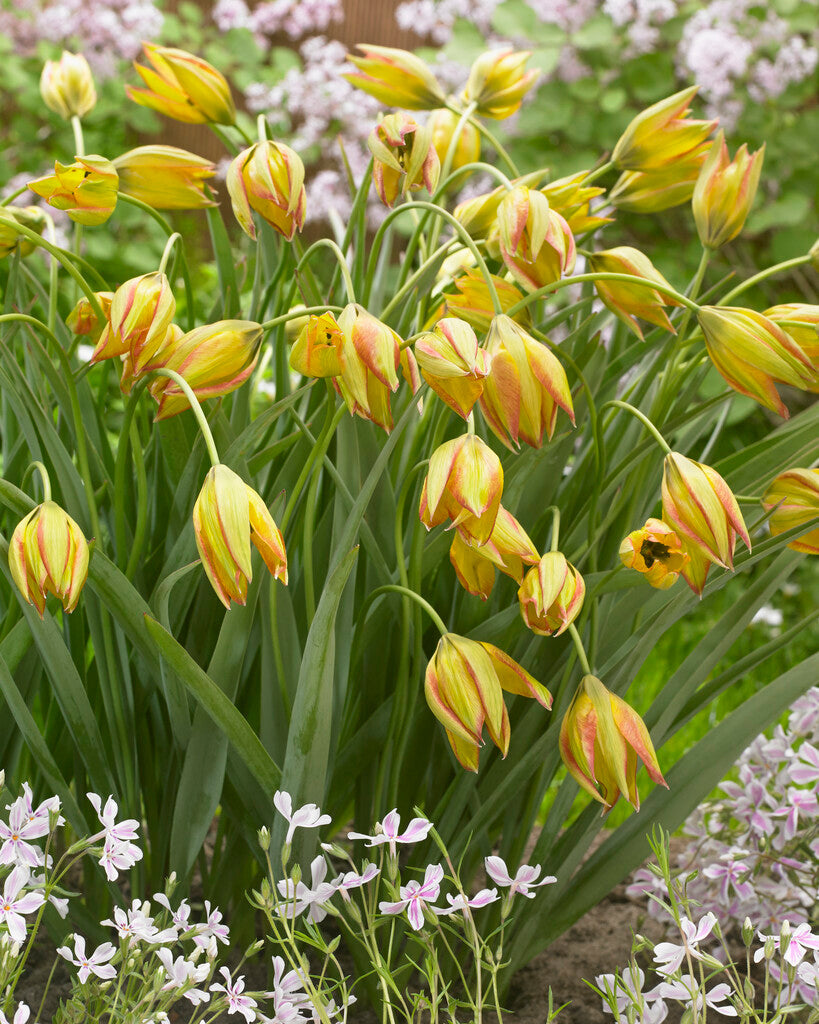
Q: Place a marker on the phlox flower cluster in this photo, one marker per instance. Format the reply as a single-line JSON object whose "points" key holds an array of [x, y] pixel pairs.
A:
{"points": [[757, 848], [294, 18]]}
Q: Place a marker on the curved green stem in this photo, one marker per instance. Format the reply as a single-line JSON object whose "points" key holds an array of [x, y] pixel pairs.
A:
{"points": [[478, 165], [396, 588], [597, 172], [555, 526], [120, 465], [9, 199], [53, 277], [581, 650], [45, 479], [777, 268], [565, 282], [414, 278], [166, 252], [196, 408], [328, 243], [295, 314], [79, 150], [655, 433], [490, 138]]}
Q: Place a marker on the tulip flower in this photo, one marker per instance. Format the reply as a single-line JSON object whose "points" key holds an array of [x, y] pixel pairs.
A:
{"points": [[318, 350], [443, 123], [395, 77], [525, 387], [551, 595], [498, 82], [479, 214], [472, 302], [700, 508], [67, 86], [628, 301], [404, 158], [139, 317], [228, 516], [601, 738], [725, 192], [661, 134], [31, 217], [801, 322], [509, 548], [536, 243], [751, 352], [268, 178], [793, 499], [453, 364], [660, 188], [83, 320], [165, 177], [572, 200], [656, 551], [86, 190], [464, 686], [183, 86], [214, 360], [48, 554], [464, 483]]}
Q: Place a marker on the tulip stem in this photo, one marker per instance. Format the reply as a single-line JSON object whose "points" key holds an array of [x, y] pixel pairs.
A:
{"points": [[555, 526], [598, 172], [53, 277], [777, 268], [45, 479], [658, 437], [565, 282], [328, 243], [7, 200], [753, 499], [478, 165], [196, 408], [295, 314], [261, 128], [166, 252], [581, 650], [79, 151], [490, 138], [396, 588]]}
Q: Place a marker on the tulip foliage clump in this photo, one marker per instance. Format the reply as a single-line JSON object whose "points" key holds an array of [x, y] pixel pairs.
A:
{"points": [[326, 517]]}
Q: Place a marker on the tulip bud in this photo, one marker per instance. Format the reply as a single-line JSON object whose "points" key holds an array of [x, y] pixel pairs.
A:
{"points": [[452, 364], [86, 190], [535, 242], [228, 516], [31, 217], [404, 158], [395, 77], [479, 214], [183, 86], [572, 200], [509, 547], [318, 350], [551, 595], [48, 554], [83, 320], [725, 192], [464, 686], [165, 177], [67, 86], [628, 301], [800, 322], [214, 360], [443, 124], [661, 134], [656, 551], [601, 738], [498, 82], [472, 302], [793, 499], [464, 483], [660, 188], [751, 353], [268, 178], [699, 506], [140, 315], [525, 386]]}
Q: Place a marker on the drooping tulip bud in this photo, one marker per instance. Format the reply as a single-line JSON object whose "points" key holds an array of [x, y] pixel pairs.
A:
{"points": [[498, 81], [31, 217], [183, 86], [701, 509], [509, 548], [626, 300], [464, 484], [751, 352], [551, 595], [656, 551], [660, 188], [443, 124], [453, 364], [268, 178], [464, 686], [801, 322], [67, 86], [48, 554], [140, 314], [535, 242], [479, 214], [525, 387], [83, 320], [572, 200], [661, 134], [86, 189], [471, 300], [404, 158], [725, 192], [601, 738], [793, 498], [228, 517], [214, 360], [318, 350], [395, 77], [165, 177]]}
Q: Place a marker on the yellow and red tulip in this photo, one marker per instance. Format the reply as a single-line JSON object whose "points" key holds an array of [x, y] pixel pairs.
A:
{"points": [[660, 188], [443, 123], [183, 86], [655, 551], [318, 349], [84, 321], [453, 364], [551, 595], [509, 549], [395, 77], [139, 316], [661, 134], [86, 190], [464, 484], [268, 178], [801, 322], [165, 177], [404, 158], [31, 217], [48, 554], [536, 243], [793, 499], [471, 300], [479, 214], [498, 81], [724, 192], [626, 300], [67, 85], [572, 200]]}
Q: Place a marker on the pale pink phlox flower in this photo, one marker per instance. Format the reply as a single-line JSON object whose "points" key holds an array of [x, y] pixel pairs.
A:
{"points": [[181, 973], [21, 1015], [42, 812], [799, 802], [122, 831], [19, 835], [288, 985], [211, 928], [730, 871], [751, 803], [96, 964], [645, 882], [13, 906], [685, 989], [118, 856], [348, 880], [800, 940], [302, 897], [627, 990], [306, 816], [332, 1010], [386, 831], [525, 879], [805, 770], [59, 903], [415, 896], [670, 956], [180, 917], [137, 924], [461, 902], [236, 1000]]}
